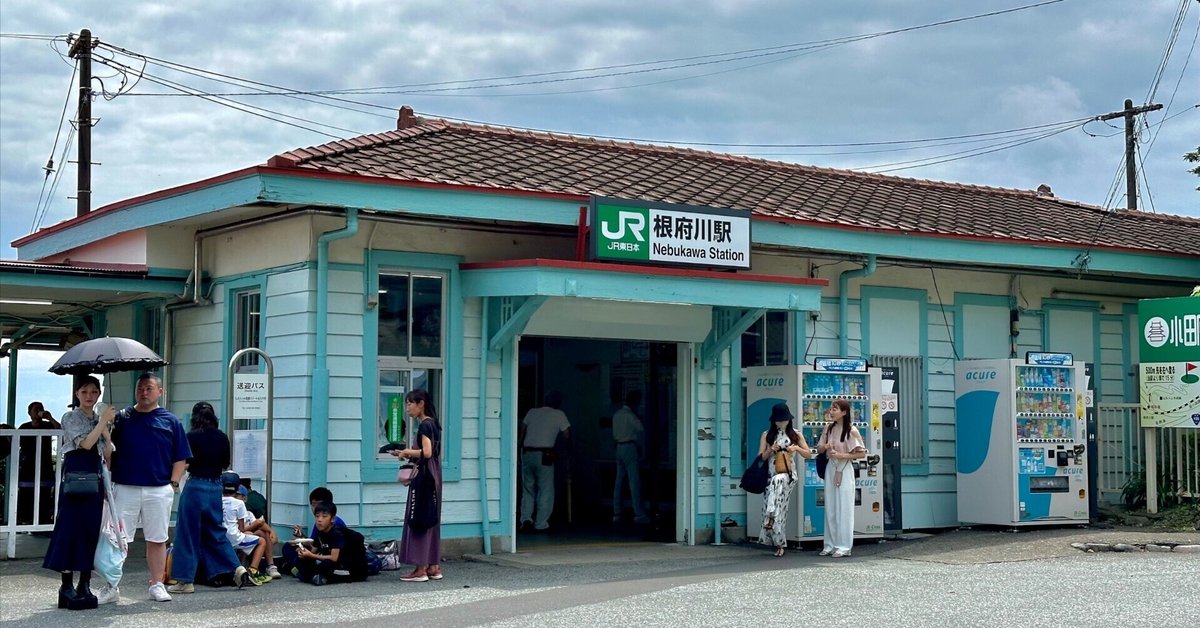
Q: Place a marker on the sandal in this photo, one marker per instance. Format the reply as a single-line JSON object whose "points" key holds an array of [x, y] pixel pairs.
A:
{"points": [[416, 576], [825, 552], [434, 575], [779, 552]]}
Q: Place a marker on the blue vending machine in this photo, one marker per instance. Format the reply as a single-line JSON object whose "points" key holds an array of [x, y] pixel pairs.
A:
{"points": [[1021, 440], [809, 390]]}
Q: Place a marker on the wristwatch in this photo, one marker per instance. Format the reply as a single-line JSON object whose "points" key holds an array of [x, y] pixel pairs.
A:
{"points": [[174, 484]]}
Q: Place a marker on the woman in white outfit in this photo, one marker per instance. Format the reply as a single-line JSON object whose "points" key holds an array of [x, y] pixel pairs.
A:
{"points": [[842, 443], [778, 447]]}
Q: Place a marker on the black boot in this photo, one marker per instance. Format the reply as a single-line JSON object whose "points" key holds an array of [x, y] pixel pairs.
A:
{"points": [[66, 593], [84, 597]]}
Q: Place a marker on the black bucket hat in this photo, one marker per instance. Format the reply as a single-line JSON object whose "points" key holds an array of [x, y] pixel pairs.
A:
{"points": [[780, 412]]}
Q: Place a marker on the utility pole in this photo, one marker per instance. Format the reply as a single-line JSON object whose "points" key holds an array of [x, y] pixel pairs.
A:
{"points": [[1130, 144], [81, 49]]}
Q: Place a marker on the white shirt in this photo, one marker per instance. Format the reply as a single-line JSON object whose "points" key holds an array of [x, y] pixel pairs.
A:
{"points": [[233, 511], [626, 426], [542, 426]]}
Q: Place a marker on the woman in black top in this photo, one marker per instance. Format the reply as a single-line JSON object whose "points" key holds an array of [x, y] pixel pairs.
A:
{"points": [[199, 525]]}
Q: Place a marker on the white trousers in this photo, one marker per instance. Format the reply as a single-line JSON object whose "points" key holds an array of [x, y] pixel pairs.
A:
{"points": [[537, 489], [627, 466], [839, 506]]}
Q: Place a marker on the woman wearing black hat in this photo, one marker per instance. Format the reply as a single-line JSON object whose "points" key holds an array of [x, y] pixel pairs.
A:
{"points": [[778, 447]]}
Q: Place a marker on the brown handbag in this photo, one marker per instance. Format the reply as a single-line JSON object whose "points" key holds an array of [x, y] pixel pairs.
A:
{"points": [[781, 462]]}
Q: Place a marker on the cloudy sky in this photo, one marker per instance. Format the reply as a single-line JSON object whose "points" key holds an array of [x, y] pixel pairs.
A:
{"points": [[746, 74]]}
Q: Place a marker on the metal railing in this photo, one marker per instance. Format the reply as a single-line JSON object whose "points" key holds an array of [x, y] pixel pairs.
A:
{"points": [[1123, 447], [26, 497]]}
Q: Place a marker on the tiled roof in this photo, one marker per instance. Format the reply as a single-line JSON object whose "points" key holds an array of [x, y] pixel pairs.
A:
{"points": [[72, 267], [438, 151]]}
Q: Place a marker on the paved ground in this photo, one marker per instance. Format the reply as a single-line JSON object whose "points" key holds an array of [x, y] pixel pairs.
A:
{"points": [[961, 578]]}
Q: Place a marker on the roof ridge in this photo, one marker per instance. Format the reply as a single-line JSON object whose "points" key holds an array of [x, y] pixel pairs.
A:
{"points": [[570, 138], [341, 146]]}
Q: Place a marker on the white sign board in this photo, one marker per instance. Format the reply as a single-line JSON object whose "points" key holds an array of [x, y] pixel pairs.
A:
{"points": [[250, 453], [1170, 394], [251, 393]]}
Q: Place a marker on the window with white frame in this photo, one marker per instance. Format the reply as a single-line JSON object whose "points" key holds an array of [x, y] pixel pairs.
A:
{"points": [[248, 328], [410, 349]]}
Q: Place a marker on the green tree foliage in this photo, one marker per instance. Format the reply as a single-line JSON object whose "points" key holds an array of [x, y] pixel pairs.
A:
{"points": [[1193, 158]]}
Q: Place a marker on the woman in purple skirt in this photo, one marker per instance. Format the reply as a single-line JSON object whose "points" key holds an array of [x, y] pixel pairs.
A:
{"points": [[422, 547]]}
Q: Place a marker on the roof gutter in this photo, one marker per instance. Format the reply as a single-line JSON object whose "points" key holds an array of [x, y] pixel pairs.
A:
{"points": [[318, 434], [844, 303]]}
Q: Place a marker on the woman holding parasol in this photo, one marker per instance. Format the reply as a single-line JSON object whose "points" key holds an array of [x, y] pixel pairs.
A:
{"points": [[86, 440]]}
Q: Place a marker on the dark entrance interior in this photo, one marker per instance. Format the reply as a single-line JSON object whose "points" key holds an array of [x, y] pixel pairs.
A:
{"points": [[593, 377]]}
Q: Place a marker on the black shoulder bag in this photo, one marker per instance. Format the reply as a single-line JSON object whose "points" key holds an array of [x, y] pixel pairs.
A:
{"points": [[425, 507]]}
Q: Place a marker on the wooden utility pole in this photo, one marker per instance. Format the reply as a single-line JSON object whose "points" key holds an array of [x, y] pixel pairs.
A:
{"points": [[81, 49], [1130, 144]]}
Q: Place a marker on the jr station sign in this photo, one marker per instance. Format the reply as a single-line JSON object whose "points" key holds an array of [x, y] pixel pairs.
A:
{"points": [[662, 233]]}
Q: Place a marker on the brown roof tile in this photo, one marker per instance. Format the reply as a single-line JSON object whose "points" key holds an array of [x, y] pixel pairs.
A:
{"points": [[438, 151]]}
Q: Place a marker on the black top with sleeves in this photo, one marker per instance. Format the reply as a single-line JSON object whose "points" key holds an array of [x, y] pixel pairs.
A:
{"points": [[210, 453]]}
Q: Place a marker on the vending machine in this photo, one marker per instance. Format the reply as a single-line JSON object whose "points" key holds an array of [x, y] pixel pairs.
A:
{"points": [[1021, 440], [809, 391]]}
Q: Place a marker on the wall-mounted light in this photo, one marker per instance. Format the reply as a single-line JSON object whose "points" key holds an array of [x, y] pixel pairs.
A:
{"points": [[26, 302]]}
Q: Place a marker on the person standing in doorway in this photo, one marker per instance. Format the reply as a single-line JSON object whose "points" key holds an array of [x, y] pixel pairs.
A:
{"points": [[842, 443], [150, 452], [539, 434], [628, 433]]}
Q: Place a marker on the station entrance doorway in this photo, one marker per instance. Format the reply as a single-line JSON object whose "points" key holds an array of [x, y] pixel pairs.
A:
{"points": [[594, 379]]}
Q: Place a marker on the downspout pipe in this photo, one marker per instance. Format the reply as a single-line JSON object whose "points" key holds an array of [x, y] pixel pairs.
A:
{"points": [[485, 525], [718, 437], [318, 436], [844, 304]]}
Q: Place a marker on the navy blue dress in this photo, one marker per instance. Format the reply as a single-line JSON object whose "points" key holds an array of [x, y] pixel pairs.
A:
{"points": [[77, 526]]}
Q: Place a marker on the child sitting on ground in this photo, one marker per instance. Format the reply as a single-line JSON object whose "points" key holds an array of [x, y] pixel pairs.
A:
{"points": [[315, 497], [336, 553], [259, 527], [234, 514]]}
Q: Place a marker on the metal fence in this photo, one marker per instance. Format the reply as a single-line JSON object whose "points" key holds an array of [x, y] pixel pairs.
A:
{"points": [[1122, 457], [30, 482]]}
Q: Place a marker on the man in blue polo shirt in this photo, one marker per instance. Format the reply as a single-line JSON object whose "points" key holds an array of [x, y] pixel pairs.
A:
{"points": [[150, 453]]}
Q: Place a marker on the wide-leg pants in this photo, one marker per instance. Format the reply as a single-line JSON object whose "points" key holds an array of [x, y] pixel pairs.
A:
{"points": [[839, 506]]}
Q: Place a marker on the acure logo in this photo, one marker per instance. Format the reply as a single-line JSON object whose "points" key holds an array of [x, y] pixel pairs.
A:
{"points": [[633, 220]]}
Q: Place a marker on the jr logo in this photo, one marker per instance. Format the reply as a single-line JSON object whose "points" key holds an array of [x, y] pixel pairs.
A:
{"points": [[636, 221]]}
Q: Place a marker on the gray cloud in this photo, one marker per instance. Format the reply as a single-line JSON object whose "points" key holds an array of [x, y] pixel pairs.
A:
{"points": [[1054, 63]]}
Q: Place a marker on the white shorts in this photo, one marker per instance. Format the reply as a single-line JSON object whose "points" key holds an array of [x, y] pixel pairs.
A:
{"points": [[244, 543], [147, 507]]}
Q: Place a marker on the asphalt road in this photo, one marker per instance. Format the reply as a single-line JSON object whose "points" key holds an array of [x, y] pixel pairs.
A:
{"points": [[955, 579]]}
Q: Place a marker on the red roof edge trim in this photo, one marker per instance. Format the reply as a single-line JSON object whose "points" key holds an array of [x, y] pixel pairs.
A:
{"points": [[643, 270], [137, 200], [972, 238]]}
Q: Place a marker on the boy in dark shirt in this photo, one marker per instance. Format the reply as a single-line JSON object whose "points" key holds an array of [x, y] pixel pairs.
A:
{"points": [[337, 553]]}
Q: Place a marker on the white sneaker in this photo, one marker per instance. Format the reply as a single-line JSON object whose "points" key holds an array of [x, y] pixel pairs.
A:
{"points": [[158, 593], [273, 571], [108, 594]]}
